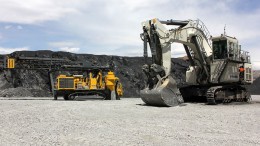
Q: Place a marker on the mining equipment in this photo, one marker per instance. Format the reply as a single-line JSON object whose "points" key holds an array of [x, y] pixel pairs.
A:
{"points": [[94, 80], [94, 83], [219, 70]]}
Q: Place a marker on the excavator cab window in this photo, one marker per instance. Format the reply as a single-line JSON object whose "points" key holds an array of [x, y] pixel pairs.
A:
{"points": [[220, 49]]}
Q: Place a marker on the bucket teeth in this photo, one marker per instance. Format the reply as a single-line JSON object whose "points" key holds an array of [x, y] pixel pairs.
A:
{"points": [[166, 94]]}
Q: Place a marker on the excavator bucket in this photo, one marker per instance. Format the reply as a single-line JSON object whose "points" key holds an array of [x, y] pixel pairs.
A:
{"points": [[167, 94]]}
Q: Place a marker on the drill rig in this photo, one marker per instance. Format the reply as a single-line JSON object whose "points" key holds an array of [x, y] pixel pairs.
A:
{"points": [[97, 81], [219, 70]]}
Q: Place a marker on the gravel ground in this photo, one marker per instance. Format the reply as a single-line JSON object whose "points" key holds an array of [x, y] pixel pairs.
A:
{"points": [[127, 122]]}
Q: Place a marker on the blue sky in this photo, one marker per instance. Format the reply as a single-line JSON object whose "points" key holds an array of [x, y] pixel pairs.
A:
{"points": [[113, 27]]}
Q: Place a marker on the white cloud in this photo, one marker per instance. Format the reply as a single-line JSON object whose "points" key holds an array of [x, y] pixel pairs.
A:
{"points": [[8, 27], [178, 50], [68, 49], [19, 27], [34, 11], [63, 44], [256, 65], [117, 26], [68, 46], [11, 50]]}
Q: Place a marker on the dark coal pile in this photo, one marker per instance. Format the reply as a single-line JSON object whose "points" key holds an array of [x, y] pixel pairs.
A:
{"points": [[27, 83], [255, 87], [36, 83]]}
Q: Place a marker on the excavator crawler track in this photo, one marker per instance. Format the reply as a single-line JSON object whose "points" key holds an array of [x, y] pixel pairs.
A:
{"points": [[230, 94], [211, 96]]}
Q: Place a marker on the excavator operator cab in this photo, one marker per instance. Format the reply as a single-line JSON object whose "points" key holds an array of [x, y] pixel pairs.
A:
{"points": [[230, 59], [220, 49], [225, 47]]}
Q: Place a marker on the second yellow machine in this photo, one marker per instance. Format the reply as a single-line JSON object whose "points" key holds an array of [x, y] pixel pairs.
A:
{"points": [[95, 82]]}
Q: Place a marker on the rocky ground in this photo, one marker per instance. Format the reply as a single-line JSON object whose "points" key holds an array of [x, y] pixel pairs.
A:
{"points": [[127, 122]]}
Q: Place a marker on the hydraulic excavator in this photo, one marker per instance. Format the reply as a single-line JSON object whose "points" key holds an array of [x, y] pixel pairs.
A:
{"points": [[219, 70]]}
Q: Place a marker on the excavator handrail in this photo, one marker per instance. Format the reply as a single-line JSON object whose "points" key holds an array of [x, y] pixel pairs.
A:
{"points": [[201, 26]]}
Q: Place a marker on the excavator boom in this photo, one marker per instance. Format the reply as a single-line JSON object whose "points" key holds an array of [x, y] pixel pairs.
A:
{"points": [[161, 88]]}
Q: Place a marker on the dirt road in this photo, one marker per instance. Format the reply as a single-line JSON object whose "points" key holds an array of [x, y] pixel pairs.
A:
{"points": [[127, 122]]}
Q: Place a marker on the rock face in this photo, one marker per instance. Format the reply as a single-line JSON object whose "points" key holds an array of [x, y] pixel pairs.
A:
{"points": [[36, 83]]}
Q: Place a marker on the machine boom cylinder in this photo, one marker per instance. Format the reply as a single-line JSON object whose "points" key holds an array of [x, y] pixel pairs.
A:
{"points": [[175, 22]]}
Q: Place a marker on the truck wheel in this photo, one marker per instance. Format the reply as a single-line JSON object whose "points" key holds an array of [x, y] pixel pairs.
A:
{"points": [[55, 95], [71, 97], [117, 96], [66, 97], [107, 94]]}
